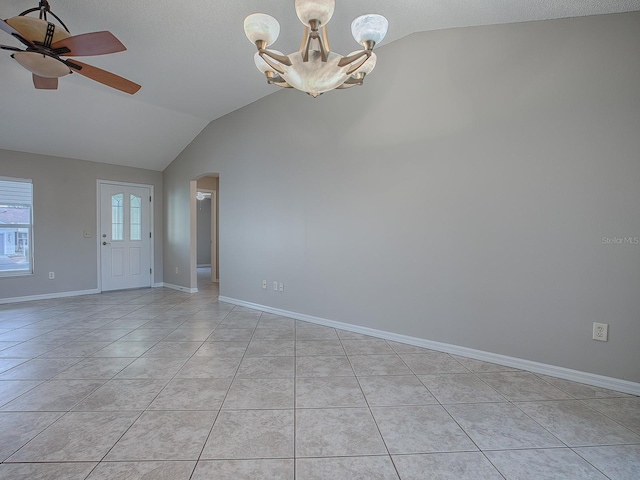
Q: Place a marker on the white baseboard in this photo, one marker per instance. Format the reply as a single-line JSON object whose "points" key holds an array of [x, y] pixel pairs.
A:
{"points": [[157, 285], [180, 288], [48, 296], [602, 381]]}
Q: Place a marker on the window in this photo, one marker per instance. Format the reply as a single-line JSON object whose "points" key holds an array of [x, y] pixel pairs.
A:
{"points": [[134, 217], [117, 217], [16, 226]]}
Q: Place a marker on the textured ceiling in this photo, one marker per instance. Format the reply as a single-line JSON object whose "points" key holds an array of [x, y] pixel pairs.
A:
{"points": [[195, 65]]}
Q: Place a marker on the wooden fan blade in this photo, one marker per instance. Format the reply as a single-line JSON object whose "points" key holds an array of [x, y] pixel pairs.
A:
{"points": [[106, 78], [13, 32], [87, 44], [42, 83]]}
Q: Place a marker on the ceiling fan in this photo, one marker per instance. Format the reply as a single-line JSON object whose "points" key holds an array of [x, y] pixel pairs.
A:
{"points": [[46, 44]]}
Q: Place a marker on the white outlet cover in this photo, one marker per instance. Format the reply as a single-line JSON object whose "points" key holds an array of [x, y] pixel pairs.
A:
{"points": [[601, 331]]}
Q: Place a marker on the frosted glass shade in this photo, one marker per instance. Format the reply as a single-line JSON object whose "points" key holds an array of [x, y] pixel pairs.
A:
{"points": [[321, 10], [263, 66], [315, 76], [368, 66], [370, 27], [259, 26], [41, 65]]}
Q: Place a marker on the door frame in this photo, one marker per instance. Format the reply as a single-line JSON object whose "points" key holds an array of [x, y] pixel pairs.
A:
{"points": [[99, 183], [214, 236], [213, 247]]}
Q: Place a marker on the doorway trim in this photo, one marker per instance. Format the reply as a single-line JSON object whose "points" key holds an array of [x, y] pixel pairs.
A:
{"points": [[99, 183], [214, 239], [193, 230]]}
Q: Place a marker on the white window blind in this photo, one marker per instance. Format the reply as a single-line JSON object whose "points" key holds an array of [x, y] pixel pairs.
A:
{"points": [[16, 192]]}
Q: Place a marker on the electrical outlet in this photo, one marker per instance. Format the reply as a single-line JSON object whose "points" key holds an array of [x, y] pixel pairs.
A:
{"points": [[52, 275], [176, 269], [281, 287], [275, 286], [601, 331], [86, 234], [264, 284]]}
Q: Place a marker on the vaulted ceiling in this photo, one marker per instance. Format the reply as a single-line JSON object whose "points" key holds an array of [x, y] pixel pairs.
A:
{"points": [[195, 65]]}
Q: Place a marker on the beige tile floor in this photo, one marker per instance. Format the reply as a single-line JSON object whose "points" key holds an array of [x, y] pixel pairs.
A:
{"points": [[158, 384]]}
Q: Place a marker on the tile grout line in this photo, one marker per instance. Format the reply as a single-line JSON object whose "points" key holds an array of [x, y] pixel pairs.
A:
{"points": [[204, 444], [146, 408], [375, 422], [295, 397], [141, 413]]}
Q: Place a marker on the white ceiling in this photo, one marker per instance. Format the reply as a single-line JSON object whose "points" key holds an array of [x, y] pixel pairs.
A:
{"points": [[195, 65]]}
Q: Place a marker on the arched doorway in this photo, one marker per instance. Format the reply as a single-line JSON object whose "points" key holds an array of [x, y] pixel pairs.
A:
{"points": [[204, 230]]}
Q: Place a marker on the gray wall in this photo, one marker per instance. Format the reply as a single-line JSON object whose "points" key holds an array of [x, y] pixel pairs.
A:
{"points": [[64, 206], [461, 196]]}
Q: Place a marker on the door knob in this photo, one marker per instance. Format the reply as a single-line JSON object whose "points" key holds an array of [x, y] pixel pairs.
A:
{"points": [[106, 243]]}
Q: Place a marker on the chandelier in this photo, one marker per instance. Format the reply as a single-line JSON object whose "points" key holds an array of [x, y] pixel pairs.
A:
{"points": [[315, 69]]}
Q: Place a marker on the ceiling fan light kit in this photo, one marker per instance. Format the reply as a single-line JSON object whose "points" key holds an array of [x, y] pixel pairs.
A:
{"points": [[41, 65], [315, 69], [46, 44]]}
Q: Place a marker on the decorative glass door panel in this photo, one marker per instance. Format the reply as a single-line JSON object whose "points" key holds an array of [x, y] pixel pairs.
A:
{"points": [[117, 217], [134, 217]]}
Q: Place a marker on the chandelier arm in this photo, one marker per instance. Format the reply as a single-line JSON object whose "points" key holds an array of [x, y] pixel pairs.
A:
{"points": [[272, 64], [355, 80], [325, 39], [278, 82], [269, 57], [352, 58], [311, 33], [357, 66], [305, 39], [324, 53], [306, 48], [283, 59], [352, 82]]}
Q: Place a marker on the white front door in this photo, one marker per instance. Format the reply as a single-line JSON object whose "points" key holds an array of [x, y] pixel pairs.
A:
{"points": [[125, 236]]}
